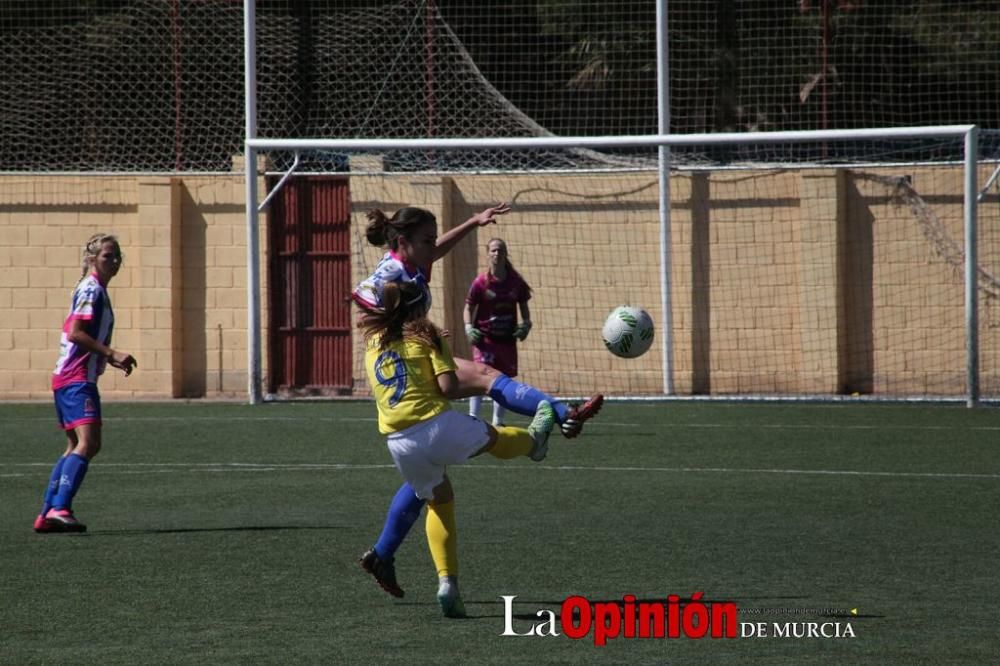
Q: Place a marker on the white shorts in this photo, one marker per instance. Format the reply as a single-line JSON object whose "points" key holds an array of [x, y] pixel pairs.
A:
{"points": [[421, 452]]}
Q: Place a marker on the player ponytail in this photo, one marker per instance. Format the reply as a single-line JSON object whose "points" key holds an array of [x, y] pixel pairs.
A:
{"points": [[403, 315], [375, 231], [386, 231]]}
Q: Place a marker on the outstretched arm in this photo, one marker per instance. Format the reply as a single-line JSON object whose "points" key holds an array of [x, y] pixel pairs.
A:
{"points": [[481, 219]]}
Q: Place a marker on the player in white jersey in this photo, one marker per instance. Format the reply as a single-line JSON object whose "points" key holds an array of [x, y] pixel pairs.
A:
{"points": [[84, 352]]}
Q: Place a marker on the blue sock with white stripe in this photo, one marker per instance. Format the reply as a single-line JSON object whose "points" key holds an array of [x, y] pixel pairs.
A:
{"points": [[522, 398], [74, 469], [53, 487]]}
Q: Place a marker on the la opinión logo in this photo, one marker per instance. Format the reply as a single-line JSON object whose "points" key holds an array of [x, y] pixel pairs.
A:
{"points": [[579, 617]]}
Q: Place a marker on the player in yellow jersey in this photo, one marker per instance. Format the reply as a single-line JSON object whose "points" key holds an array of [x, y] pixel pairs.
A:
{"points": [[412, 375], [411, 238]]}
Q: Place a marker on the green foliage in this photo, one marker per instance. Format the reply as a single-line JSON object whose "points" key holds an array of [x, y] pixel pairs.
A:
{"points": [[600, 42]]}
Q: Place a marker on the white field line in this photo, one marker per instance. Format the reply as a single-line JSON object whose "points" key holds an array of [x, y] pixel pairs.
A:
{"points": [[590, 426], [222, 468]]}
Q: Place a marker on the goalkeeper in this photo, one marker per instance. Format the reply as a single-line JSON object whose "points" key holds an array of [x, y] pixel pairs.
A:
{"points": [[491, 318]]}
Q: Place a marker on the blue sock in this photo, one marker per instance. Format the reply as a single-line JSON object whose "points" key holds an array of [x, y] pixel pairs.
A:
{"points": [[403, 513], [523, 399], [74, 468], [50, 491]]}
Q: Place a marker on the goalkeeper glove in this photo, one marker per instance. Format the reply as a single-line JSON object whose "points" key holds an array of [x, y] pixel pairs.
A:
{"points": [[473, 333], [522, 330]]}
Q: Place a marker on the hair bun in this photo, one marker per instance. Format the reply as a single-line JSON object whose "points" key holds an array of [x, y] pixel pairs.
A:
{"points": [[375, 232]]}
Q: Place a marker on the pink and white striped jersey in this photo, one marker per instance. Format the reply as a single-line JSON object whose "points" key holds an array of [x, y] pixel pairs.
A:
{"points": [[91, 304], [391, 268]]}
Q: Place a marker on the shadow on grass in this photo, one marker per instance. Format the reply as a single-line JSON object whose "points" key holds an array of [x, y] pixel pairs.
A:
{"points": [[196, 530]]}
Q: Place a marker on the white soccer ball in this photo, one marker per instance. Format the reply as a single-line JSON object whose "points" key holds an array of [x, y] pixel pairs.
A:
{"points": [[628, 331]]}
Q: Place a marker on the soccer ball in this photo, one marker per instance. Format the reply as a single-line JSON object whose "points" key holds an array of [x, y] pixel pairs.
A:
{"points": [[628, 331]]}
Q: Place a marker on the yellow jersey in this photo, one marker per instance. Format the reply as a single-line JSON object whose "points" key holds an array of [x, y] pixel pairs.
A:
{"points": [[403, 378]]}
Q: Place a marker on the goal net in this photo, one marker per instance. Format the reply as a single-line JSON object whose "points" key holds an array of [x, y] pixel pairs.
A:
{"points": [[832, 278]]}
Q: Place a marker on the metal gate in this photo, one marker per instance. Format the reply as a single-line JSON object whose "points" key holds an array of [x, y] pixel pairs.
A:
{"points": [[309, 273]]}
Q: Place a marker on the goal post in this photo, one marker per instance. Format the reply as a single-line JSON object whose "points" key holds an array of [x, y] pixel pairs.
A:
{"points": [[767, 305], [970, 182]]}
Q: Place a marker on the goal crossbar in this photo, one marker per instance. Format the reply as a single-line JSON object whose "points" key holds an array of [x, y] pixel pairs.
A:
{"points": [[668, 140]]}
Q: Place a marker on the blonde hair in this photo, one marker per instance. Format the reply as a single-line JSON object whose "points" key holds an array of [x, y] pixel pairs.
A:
{"points": [[93, 248], [509, 266]]}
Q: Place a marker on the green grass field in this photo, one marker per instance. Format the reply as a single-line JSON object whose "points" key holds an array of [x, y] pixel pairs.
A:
{"points": [[228, 533]]}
